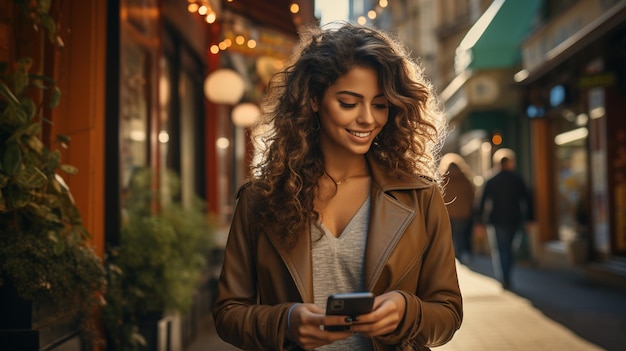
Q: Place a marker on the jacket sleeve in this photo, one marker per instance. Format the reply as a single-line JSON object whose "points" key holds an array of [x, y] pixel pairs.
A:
{"points": [[239, 319], [434, 311]]}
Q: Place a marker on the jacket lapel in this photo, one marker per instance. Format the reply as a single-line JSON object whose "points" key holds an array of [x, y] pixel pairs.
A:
{"points": [[298, 262], [389, 218]]}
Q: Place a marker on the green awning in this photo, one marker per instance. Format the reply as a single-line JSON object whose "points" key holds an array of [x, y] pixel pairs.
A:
{"points": [[494, 40]]}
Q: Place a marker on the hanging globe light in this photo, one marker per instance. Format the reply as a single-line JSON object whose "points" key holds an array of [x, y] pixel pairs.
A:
{"points": [[246, 114], [224, 86]]}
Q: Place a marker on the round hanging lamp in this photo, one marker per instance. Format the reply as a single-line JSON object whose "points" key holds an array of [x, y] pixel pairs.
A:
{"points": [[246, 114], [224, 86]]}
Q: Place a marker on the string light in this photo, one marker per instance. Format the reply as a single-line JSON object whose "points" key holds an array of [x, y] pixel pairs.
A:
{"points": [[210, 17], [372, 14], [243, 40], [204, 9], [193, 7], [294, 8]]}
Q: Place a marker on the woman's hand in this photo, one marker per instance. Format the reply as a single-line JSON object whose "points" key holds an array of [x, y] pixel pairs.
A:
{"points": [[384, 319], [307, 326], [307, 322]]}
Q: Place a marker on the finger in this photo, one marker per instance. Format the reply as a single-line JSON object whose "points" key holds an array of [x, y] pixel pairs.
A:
{"points": [[339, 320], [380, 327], [313, 337]]}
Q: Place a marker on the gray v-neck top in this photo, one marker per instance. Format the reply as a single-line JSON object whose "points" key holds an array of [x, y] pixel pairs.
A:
{"points": [[338, 267]]}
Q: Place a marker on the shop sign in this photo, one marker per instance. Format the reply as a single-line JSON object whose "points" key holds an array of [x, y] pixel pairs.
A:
{"points": [[597, 80]]}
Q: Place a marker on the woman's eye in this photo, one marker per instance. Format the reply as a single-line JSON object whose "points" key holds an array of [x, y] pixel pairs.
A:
{"points": [[346, 105], [381, 106]]}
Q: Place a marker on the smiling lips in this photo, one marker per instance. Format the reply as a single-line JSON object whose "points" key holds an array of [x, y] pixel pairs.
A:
{"points": [[360, 134]]}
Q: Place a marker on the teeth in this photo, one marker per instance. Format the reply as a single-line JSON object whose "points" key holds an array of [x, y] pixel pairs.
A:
{"points": [[360, 135]]}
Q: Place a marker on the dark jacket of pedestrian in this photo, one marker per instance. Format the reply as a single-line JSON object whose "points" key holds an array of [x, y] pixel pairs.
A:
{"points": [[510, 201]]}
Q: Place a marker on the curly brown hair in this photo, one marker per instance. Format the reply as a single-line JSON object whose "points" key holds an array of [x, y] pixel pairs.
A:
{"points": [[286, 177]]}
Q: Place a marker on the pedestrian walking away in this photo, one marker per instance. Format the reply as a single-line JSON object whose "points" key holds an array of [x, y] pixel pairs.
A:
{"points": [[459, 197], [346, 198], [505, 205]]}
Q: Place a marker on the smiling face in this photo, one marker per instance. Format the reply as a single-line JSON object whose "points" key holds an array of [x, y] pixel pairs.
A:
{"points": [[352, 113]]}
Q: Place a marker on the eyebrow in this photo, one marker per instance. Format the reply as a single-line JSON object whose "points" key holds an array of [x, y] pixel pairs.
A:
{"points": [[346, 92]]}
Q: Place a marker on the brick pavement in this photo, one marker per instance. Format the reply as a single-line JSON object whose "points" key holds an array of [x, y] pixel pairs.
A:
{"points": [[495, 319]]}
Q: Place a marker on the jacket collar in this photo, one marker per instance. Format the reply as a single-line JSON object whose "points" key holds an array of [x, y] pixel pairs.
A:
{"points": [[387, 182]]}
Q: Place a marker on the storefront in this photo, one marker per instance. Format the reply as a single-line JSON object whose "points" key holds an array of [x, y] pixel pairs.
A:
{"points": [[574, 81], [482, 103], [178, 76]]}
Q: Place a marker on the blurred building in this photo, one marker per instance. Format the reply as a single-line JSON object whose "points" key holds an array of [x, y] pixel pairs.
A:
{"points": [[574, 89], [546, 79]]}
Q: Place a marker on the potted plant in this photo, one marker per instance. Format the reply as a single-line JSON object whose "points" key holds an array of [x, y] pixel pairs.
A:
{"points": [[157, 267], [46, 259]]}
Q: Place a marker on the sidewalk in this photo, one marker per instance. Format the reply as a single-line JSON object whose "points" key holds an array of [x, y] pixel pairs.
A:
{"points": [[494, 319]]}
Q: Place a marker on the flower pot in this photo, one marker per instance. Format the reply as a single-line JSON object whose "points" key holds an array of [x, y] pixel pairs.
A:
{"points": [[16, 320]]}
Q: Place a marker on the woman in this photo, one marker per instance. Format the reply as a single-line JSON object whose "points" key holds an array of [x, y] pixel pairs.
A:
{"points": [[345, 199], [459, 196]]}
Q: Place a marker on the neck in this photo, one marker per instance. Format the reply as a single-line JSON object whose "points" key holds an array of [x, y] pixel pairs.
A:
{"points": [[339, 168], [339, 180]]}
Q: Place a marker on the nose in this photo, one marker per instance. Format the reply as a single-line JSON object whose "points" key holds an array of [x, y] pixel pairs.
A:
{"points": [[366, 115]]}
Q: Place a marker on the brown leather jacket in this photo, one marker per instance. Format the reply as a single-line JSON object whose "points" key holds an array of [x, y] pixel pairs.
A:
{"points": [[409, 249]]}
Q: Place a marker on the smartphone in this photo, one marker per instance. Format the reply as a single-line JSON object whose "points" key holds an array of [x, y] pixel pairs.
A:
{"points": [[350, 304]]}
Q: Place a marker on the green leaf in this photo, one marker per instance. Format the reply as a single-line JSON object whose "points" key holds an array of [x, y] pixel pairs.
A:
{"points": [[12, 159], [31, 177], [58, 247], [75, 237], [51, 217], [39, 211], [35, 144], [40, 79], [33, 129], [51, 27], [55, 98], [18, 197], [20, 79], [8, 94], [62, 138], [69, 169], [29, 108], [54, 160], [14, 116]]}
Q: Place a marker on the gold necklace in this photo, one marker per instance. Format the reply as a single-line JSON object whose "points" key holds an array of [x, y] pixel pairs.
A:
{"points": [[340, 181]]}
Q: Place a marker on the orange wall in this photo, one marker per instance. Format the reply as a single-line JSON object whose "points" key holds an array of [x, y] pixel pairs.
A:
{"points": [[80, 72]]}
